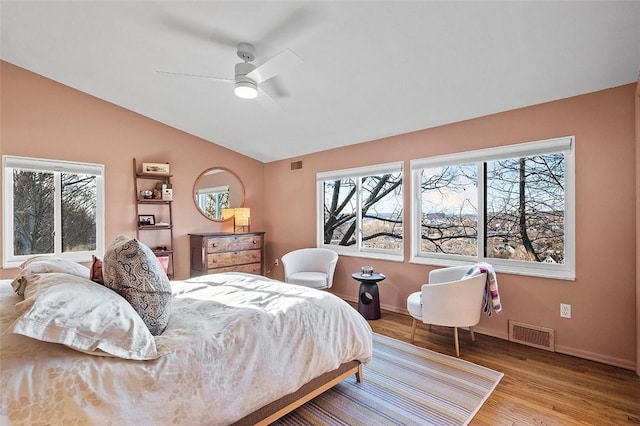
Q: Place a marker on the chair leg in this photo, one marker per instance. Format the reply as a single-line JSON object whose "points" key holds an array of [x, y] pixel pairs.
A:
{"points": [[473, 336], [455, 336], [413, 329]]}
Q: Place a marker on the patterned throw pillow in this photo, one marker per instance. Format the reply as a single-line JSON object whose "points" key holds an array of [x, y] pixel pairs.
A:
{"points": [[132, 270]]}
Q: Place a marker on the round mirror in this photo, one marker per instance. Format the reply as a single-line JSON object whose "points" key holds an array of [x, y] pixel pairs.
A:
{"points": [[216, 192]]}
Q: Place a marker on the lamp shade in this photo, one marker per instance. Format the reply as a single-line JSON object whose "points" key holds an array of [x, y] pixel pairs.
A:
{"points": [[227, 213], [243, 216]]}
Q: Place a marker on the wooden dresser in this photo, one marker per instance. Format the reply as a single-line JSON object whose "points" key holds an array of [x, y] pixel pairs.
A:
{"points": [[221, 252]]}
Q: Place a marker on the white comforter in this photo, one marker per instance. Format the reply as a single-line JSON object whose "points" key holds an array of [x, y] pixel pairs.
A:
{"points": [[234, 343]]}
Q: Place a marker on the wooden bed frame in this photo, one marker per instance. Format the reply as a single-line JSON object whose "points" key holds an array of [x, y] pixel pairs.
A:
{"points": [[280, 407]]}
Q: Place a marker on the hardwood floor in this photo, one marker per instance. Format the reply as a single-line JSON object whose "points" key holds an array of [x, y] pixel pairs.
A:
{"points": [[539, 387]]}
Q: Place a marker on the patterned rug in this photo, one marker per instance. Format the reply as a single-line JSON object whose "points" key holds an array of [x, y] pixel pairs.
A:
{"points": [[403, 385]]}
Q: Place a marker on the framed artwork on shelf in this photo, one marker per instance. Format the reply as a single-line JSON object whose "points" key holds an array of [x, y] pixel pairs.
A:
{"points": [[155, 168], [146, 220]]}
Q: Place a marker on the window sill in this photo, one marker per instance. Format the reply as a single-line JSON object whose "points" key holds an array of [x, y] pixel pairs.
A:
{"points": [[367, 255], [500, 267]]}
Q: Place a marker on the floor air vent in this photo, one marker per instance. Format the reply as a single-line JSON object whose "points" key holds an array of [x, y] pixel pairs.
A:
{"points": [[531, 335]]}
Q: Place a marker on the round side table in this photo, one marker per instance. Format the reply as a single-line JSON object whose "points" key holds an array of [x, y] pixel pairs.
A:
{"points": [[368, 297]]}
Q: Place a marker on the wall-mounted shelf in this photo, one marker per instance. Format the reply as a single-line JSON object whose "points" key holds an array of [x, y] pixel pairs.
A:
{"points": [[162, 208]]}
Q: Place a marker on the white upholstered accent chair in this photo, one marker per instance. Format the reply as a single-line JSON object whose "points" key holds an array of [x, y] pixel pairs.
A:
{"points": [[310, 267], [448, 300]]}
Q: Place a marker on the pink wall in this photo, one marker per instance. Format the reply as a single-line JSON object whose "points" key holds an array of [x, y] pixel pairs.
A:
{"points": [[44, 119], [602, 326], [637, 99], [41, 118]]}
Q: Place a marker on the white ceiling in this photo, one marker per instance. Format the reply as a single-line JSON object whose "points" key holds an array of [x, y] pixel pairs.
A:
{"points": [[371, 69]]}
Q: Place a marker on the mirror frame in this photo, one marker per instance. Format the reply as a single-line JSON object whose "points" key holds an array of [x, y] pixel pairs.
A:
{"points": [[195, 185]]}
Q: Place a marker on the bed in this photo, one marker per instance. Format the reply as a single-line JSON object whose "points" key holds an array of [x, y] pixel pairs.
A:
{"points": [[238, 349]]}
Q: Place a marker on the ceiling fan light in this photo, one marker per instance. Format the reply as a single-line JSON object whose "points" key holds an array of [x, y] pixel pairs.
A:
{"points": [[246, 90]]}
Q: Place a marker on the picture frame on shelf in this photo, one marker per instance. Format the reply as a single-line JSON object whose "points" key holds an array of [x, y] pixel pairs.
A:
{"points": [[146, 220], [156, 168]]}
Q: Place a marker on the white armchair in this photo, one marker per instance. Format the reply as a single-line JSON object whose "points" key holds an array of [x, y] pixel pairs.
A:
{"points": [[449, 300], [310, 267]]}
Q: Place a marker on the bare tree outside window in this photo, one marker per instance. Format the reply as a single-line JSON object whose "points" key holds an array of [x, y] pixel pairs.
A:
{"points": [[340, 209], [449, 214], [525, 208], [381, 211], [34, 211], [33, 215], [524, 212], [78, 212]]}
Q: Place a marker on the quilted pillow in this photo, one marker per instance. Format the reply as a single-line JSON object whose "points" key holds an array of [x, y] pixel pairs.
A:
{"points": [[132, 270], [46, 264], [83, 315]]}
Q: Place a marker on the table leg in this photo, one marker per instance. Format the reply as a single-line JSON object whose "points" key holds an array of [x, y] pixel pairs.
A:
{"points": [[369, 301]]}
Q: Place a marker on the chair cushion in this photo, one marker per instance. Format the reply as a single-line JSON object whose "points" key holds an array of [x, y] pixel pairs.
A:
{"points": [[308, 279], [414, 305]]}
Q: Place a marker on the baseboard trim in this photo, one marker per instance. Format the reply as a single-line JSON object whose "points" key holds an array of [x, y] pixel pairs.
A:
{"points": [[491, 333], [591, 356], [603, 359], [383, 306]]}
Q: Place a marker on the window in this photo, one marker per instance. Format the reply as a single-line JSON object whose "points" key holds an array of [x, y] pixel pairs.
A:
{"points": [[212, 201], [510, 206], [52, 207], [360, 211]]}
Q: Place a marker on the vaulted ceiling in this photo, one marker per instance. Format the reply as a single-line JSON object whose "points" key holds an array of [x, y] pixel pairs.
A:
{"points": [[369, 70]]}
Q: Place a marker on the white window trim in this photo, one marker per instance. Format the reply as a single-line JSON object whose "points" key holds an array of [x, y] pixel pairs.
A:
{"points": [[357, 172], [9, 260], [565, 145]]}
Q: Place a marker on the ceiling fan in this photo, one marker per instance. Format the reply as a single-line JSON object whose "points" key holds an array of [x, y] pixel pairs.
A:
{"points": [[248, 77], [296, 23]]}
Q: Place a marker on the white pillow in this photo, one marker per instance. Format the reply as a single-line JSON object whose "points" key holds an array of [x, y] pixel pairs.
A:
{"points": [[46, 264], [83, 315]]}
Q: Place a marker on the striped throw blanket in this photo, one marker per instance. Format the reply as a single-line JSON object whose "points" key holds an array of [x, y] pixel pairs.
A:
{"points": [[491, 300]]}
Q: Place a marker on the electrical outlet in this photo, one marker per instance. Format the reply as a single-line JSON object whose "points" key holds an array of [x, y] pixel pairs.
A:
{"points": [[276, 262], [565, 310]]}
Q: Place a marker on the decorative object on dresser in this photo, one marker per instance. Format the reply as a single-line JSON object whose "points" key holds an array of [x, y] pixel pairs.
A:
{"points": [[223, 252], [241, 218], [154, 197]]}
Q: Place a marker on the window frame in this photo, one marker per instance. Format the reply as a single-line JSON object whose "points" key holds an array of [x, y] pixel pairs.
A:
{"points": [[565, 271], [9, 163], [357, 173]]}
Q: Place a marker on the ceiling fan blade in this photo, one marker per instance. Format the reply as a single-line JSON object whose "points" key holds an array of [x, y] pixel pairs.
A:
{"points": [[180, 74], [278, 87], [274, 66], [299, 25], [266, 101], [198, 27]]}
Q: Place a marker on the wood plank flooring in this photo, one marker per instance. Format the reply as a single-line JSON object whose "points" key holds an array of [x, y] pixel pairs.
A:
{"points": [[539, 387]]}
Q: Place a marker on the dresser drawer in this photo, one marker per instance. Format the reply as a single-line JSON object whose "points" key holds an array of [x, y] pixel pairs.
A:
{"points": [[219, 260], [252, 268], [235, 243]]}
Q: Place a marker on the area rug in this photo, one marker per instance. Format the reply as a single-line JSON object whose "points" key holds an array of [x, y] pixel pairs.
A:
{"points": [[403, 385]]}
